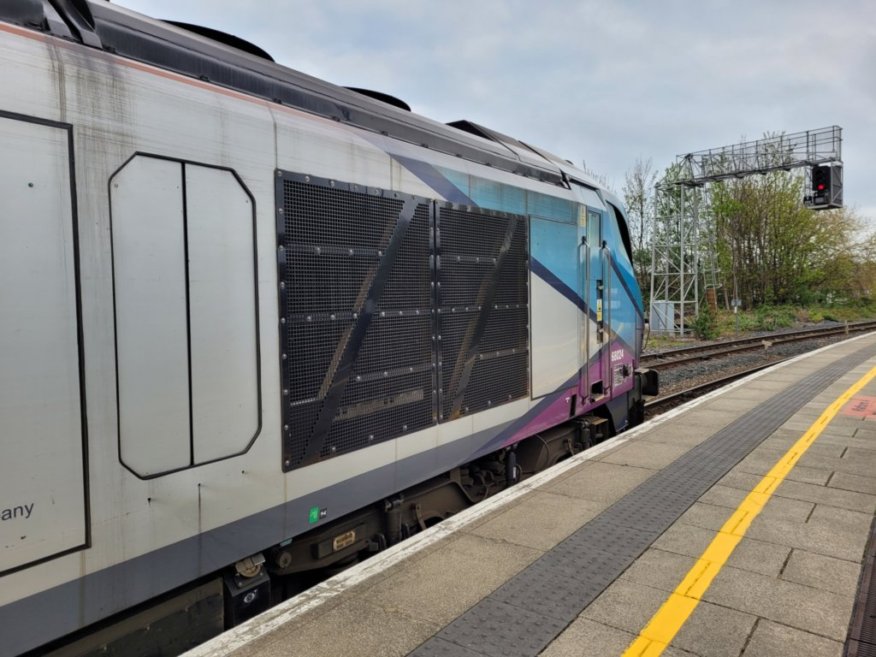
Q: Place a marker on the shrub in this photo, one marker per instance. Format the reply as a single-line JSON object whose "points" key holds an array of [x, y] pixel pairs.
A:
{"points": [[705, 325], [769, 318]]}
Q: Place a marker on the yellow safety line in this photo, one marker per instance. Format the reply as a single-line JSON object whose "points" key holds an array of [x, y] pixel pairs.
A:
{"points": [[665, 624]]}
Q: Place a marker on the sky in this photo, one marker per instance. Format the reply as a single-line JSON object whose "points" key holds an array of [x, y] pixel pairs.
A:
{"points": [[600, 82]]}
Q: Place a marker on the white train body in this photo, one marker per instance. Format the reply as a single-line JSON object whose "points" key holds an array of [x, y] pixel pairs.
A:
{"points": [[142, 387]]}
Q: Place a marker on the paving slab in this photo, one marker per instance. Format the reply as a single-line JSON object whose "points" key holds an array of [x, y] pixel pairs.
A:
{"points": [[798, 425], [802, 607], [659, 569], [476, 566], [712, 631], [844, 421], [707, 516], [587, 638], [750, 554], [764, 458], [598, 481], [777, 507], [540, 520], [744, 481], [843, 499], [678, 434], [867, 431], [643, 454], [713, 420], [339, 632], [822, 572], [831, 539], [844, 520], [856, 453], [852, 482], [736, 404], [862, 464], [770, 639]]}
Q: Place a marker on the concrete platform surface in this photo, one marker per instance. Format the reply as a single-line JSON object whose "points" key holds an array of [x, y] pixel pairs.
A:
{"points": [[787, 586]]}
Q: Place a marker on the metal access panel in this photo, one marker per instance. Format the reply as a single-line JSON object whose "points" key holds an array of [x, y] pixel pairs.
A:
{"points": [[43, 502], [483, 308], [355, 278]]}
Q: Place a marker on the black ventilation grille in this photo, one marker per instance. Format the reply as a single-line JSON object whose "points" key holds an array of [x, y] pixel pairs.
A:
{"points": [[483, 309], [356, 321], [360, 314]]}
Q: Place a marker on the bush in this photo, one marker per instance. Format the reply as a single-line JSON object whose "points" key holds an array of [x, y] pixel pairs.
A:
{"points": [[705, 325], [808, 316], [769, 318]]}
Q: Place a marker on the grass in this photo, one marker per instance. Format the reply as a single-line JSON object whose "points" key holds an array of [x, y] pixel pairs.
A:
{"points": [[771, 318]]}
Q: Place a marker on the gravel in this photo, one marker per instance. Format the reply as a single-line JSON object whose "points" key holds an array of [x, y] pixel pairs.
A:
{"points": [[678, 378]]}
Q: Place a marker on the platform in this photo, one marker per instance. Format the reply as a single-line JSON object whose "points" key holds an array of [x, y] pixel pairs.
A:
{"points": [[735, 525]]}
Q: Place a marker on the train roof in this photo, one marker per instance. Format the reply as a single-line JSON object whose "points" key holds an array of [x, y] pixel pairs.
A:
{"points": [[233, 63]]}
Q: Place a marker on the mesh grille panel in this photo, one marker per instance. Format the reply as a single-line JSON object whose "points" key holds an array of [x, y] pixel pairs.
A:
{"points": [[483, 303], [359, 314], [356, 310]]}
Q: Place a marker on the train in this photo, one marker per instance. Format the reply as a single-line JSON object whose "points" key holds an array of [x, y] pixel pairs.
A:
{"points": [[256, 326]]}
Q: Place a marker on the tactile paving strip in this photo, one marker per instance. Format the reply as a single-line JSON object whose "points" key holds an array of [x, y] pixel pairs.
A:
{"points": [[530, 610]]}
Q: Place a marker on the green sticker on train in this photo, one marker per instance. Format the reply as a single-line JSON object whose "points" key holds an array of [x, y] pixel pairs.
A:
{"points": [[313, 516]]}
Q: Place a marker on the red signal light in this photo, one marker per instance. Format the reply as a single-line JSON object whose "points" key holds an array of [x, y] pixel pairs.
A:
{"points": [[821, 179]]}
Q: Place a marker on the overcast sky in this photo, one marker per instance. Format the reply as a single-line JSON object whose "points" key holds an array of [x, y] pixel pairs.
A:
{"points": [[604, 82]]}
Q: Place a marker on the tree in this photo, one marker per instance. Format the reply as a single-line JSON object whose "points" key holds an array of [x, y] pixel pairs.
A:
{"points": [[638, 193], [775, 250]]}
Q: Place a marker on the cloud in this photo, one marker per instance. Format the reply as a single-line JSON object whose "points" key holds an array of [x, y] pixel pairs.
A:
{"points": [[589, 80]]}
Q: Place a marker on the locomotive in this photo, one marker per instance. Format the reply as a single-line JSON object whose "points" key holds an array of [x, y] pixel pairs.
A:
{"points": [[254, 325]]}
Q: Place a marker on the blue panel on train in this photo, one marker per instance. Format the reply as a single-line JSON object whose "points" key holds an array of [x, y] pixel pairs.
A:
{"points": [[555, 246]]}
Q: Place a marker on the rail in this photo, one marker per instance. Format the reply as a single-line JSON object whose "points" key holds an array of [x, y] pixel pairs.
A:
{"points": [[673, 357]]}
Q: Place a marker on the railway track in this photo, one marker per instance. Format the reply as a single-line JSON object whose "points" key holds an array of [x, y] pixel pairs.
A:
{"points": [[727, 369], [683, 355]]}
